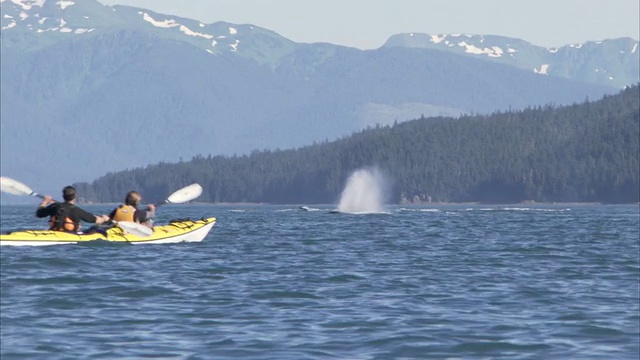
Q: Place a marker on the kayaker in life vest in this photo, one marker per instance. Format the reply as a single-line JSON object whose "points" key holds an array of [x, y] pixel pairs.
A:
{"points": [[66, 216], [129, 210]]}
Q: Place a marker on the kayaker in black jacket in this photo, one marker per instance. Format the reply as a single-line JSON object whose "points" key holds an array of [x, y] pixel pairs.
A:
{"points": [[66, 216], [129, 210]]}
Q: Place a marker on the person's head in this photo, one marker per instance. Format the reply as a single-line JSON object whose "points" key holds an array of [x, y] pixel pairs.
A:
{"points": [[133, 198], [69, 193]]}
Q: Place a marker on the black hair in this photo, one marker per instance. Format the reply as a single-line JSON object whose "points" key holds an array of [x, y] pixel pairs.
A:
{"points": [[68, 193]]}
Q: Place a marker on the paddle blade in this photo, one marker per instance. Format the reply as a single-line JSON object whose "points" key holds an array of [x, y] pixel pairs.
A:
{"points": [[134, 228], [185, 194], [10, 186]]}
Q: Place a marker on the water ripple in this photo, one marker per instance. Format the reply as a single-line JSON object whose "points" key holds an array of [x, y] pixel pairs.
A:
{"points": [[269, 282]]}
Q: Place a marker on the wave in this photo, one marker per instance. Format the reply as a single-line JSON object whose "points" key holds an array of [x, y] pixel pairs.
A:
{"points": [[518, 209], [417, 210]]}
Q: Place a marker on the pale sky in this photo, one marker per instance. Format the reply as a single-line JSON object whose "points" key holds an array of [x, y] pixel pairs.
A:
{"points": [[367, 24]]}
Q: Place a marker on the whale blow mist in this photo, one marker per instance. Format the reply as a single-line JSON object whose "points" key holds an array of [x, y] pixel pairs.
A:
{"points": [[363, 192]]}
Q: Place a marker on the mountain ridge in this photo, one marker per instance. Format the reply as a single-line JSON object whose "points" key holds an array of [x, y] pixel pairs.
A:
{"points": [[218, 36], [603, 70]]}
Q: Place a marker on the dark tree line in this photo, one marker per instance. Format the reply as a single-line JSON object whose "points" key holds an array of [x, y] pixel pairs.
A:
{"points": [[586, 152]]}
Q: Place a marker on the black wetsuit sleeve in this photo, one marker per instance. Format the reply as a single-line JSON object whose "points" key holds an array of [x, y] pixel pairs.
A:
{"points": [[113, 213], [47, 211], [84, 215]]}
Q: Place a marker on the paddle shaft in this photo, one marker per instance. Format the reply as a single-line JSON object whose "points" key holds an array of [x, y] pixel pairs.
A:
{"points": [[163, 203]]}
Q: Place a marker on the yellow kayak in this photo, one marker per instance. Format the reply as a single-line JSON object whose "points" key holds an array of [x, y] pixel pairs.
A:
{"points": [[175, 231]]}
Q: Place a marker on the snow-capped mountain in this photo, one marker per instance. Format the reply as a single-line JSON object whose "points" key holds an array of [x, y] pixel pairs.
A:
{"points": [[119, 87], [68, 20], [614, 62]]}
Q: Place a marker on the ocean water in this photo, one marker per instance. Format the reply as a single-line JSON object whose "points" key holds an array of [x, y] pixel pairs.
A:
{"points": [[276, 282]]}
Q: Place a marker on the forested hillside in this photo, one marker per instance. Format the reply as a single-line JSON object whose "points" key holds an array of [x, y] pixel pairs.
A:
{"points": [[586, 152]]}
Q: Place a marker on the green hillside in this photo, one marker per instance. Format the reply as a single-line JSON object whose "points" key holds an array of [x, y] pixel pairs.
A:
{"points": [[581, 153]]}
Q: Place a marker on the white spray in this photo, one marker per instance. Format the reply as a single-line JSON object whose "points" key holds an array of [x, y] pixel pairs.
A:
{"points": [[363, 192]]}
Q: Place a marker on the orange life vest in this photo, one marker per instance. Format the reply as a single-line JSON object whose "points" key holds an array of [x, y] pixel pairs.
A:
{"points": [[124, 213], [60, 222]]}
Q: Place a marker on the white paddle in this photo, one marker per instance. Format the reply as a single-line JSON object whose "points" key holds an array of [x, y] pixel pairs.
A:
{"points": [[183, 195], [11, 186]]}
